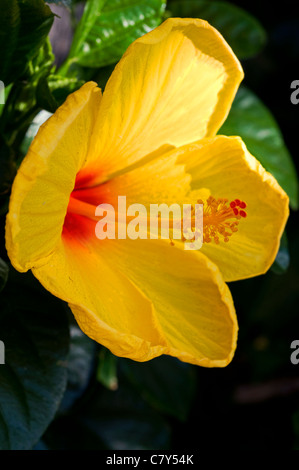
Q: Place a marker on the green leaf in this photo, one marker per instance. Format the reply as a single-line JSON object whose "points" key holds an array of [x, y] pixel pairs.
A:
{"points": [[282, 260], [165, 383], [21, 105], [52, 90], [44, 98], [251, 119], [9, 31], [241, 30], [107, 28], [61, 87], [34, 330], [3, 273], [107, 369], [24, 26], [43, 63]]}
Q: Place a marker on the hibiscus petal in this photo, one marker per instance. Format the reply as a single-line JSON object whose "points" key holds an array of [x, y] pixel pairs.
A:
{"points": [[173, 86], [224, 166], [46, 177], [144, 298]]}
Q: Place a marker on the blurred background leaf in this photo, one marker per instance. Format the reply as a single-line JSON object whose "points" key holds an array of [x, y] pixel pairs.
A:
{"points": [[111, 420], [80, 367], [34, 329], [251, 119], [282, 261], [243, 32], [166, 383]]}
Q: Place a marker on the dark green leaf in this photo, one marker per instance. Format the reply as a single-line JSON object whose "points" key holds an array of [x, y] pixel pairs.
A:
{"points": [[44, 97], [113, 420], [3, 273], [43, 63], [9, 33], [24, 26], [80, 365], [107, 28], [282, 259], [21, 104], [250, 119], [34, 330], [166, 383], [241, 30], [7, 171]]}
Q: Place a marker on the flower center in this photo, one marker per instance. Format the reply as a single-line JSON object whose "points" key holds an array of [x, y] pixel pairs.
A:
{"points": [[221, 218]]}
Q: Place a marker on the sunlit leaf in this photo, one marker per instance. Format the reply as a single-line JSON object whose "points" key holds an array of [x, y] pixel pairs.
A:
{"points": [[107, 28]]}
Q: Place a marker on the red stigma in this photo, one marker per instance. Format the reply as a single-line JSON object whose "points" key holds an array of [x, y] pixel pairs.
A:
{"points": [[238, 212]]}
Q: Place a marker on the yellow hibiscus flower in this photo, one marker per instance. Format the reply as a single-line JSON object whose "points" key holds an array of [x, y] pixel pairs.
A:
{"points": [[152, 137]]}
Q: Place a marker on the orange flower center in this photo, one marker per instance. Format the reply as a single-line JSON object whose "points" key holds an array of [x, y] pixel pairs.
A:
{"points": [[220, 218]]}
